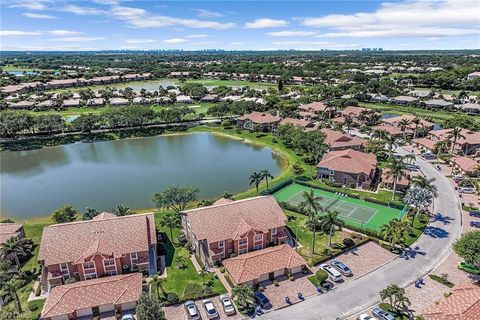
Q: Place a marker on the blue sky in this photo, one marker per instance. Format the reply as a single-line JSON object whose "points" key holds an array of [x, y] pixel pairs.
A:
{"points": [[239, 25]]}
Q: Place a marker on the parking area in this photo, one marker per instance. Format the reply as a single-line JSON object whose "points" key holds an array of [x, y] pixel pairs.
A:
{"points": [[290, 289], [177, 312]]}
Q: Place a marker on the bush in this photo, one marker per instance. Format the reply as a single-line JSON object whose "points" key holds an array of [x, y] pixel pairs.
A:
{"points": [[321, 275], [172, 298], [182, 239], [33, 307], [192, 291], [348, 242], [222, 269]]}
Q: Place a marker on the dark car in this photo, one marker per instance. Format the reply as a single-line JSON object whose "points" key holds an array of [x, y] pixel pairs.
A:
{"points": [[475, 224], [475, 214], [262, 300]]}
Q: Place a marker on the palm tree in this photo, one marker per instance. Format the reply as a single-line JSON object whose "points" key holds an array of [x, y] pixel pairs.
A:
{"points": [[453, 136], [391, 293], [122, 210], [266, 175], [348, 123], [255, 178], [401, 300], [202, 274], [396, 169], [90, 213], [425, 183], [10, 289], [391, 141], [328, 222], [170, 220], [157, 283], [390, 232], [14, 248], [418, 198], [404, 123], [441, 147], [410, 157], [227, 195], [243, 296], [310, 203], [204, 203], [416, 121]]}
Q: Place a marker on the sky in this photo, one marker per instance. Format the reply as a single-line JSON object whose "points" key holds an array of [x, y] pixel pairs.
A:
{"points": [[238, 25]]}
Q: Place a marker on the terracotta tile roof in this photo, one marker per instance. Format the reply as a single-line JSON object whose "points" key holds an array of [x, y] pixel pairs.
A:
{"points": [[336, 139], [404, 181], [233, 220], [463, 304], [427, 143], [466, 164], [8, 230], [252, 265], [68, 242], [396, 120], [352, 110], [104, 215], [260, 117], [223, 201], [315, 107], [471, 137], [64, 300], [388, 129], [297, 122], [349, 160], [405, 98], [307, 114]]}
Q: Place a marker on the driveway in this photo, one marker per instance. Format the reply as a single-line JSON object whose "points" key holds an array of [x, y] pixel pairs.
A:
{"points": [[287, 288], [428, 252], [177, 312]]}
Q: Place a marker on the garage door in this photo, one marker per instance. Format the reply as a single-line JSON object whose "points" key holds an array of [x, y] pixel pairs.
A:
{"points": [[296, 270], [128, 306], [263, 277], [279, 273], [106, 307], [84, 312]]}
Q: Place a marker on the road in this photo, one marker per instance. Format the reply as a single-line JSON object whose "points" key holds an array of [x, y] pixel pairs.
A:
{"points": [[428, 252]]}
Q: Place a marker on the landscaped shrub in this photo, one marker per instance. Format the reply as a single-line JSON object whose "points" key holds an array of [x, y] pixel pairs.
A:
{"points": [[172, 298], [229, 281], [321, 276], [182, 239], [348, 242], [192, 291], [222, 269]]}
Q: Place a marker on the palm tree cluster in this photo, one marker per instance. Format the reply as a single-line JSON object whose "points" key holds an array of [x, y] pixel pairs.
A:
{"points": [[257, 177], [396, 298], [396, 231], [396, 170]]}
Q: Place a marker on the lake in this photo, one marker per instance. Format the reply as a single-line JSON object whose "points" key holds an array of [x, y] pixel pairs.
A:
{"points": [[103, 174], [387, 115]]}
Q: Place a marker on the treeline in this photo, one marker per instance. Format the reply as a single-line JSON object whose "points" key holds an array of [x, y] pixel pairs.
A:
{"points": [[14, 122]]}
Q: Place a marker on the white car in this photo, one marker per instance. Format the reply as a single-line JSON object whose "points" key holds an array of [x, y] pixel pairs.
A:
{"points": [[227, 304], [333, 274], [191, 310], [466, 190], [128, 317], [210, 308], [365, 316]]}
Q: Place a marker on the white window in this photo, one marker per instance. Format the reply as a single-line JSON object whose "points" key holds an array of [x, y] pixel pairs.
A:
{"points": [[111, 272], [332, 172], [134, 259], [89, 276], [243, 251], [274, 232], [258, 237], [243, 241], [64, 270], [88, 265], [221, 244], [109, 262]]}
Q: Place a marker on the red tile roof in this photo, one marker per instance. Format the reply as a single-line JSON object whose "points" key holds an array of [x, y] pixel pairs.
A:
{"points": [[69, 242], [315, 107], [463, 304], [223, 201], [260, 117], [396, 120], [388, 129], [233, 220], [427, 143], [252, 265], [466, 164], [351, 110], [296, 122], [403, 181], [8, 230], [336, 139], [471, 137], [64, 300], [349, 160]]}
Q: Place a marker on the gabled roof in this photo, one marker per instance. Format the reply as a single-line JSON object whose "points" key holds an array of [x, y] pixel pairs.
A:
{"points": [[466, 164], [389, 129], [107, 235], [223, 201], [409, 117], [233, 220], [336, 139], [64, 300], [352, 110], [296, 122], [8, 230], [463, 304], [349, 160], [471, 137], [314, 107], [252, 265], [260, 117]]}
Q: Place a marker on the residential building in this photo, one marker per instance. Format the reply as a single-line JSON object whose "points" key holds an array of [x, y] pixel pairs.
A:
{"points": [[404, 100], [302, 123], [438, 104], [466, 165], [269, 263], [25, 104], [396, 122], [69, 103], [258, 121], [349, 167], [317, 108], [468, 145], [402, 184], [388, 129], [340, 141], [107, 245], [218, 231], [473, 75], [119, 102], [98, 296], [10, 230], [470, 108]]}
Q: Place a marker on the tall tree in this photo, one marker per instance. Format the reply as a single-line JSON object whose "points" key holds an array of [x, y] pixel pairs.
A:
{"points": [[122, 210], [454, 135], [311, 204], [425, 183], [418, 198], [65, 214], [468, 247], [171, 221], [416, 121], [391, 142], [396, 170], [10, 289], [90, 213], [243, 297], [255, 179], [13, 248], [157, 283], [266, 175], [328, 222], [403, 124], [149, 309], [175, 197]]}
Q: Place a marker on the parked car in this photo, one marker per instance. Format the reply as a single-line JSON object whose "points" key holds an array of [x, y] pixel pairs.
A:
{"points": [[457, 178], [340, 266], [475, 224], [262, 300], [333, 274], [365, 316], [428, 156], [412, 167], [210, 308], [466, 190], [467, 267], [227, 304], [128, 317], [191, 310], [381, 314], [475, 214]]}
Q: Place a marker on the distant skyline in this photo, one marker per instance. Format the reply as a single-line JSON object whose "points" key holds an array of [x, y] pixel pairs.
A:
{"points": [[239, 25]]}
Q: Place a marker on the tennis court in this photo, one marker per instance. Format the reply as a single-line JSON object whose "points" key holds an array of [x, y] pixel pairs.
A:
{"points": [[356, 212]]}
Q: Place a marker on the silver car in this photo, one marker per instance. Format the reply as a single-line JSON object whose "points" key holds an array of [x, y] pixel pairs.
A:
{"points": [[210, 308], [340, 266], [227, 304], [191, 310]]}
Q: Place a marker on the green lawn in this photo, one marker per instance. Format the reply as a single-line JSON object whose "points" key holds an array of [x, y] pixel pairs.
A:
{"points": [[235, 83]]}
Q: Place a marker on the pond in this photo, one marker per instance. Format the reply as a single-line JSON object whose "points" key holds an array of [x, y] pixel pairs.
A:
{"points": [[387, 115], [103, 174]]}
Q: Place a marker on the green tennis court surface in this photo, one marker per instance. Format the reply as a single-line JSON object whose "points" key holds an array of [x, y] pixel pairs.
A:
{"points": [[352, 211]]}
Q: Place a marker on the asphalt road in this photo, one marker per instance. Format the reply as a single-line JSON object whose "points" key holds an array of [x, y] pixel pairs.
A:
{"points": [[428, 252]]}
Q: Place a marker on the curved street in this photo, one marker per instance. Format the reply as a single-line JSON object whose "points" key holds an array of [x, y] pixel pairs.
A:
{"points": [[428, 252]]}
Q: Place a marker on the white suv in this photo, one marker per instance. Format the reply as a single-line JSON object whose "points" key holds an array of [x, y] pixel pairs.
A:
{"points": [[333, 274]]}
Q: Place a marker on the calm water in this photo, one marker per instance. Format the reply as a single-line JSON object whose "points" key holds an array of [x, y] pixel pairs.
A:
{"points": [[103, 174], [387, 115]]}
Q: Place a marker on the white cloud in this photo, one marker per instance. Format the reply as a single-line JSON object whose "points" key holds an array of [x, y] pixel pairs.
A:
{"points": [[107, 2], [197, 36], [139, 41], [78, 39], [140, 18], [38, 15], [175, 41], [61, 32], [415, 18], [30, 5], [82, 11], [18, 33], [202, 13], [265, 23], [292, 33]]}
